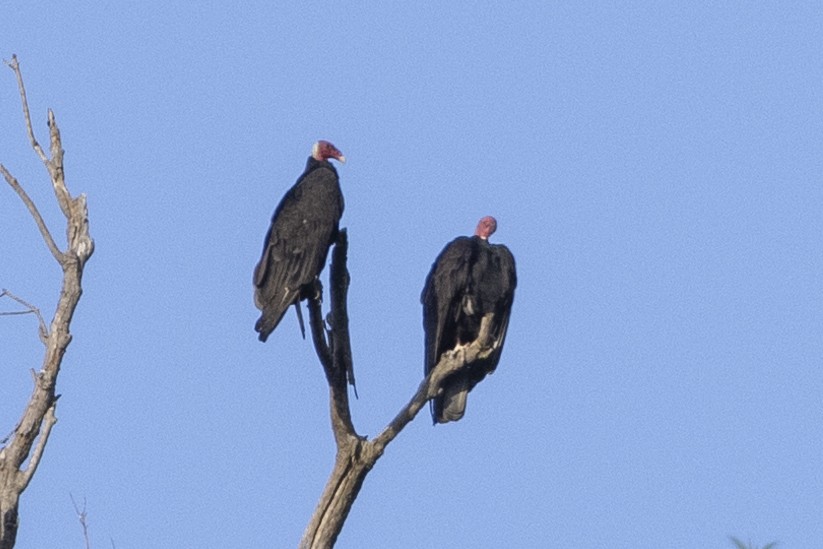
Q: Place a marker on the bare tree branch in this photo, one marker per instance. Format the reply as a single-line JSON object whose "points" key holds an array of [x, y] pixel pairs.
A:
{"points": [[336, 356], [55, 167], [35, 213], [28, 441], [15, 66], [44, 332], [48, 422]]}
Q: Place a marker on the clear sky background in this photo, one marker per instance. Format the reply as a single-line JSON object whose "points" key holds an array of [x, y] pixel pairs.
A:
{"points": [[655, 169]]}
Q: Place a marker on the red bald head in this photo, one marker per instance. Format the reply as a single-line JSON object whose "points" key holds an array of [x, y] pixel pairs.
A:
{"points": [[323, 150], [486, 227]]}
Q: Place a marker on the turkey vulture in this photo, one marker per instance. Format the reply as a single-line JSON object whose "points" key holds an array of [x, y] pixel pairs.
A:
{"points": [[469, 280], [303, 228]]}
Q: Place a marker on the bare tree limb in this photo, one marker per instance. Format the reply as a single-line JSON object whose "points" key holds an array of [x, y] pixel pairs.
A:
{"points": [[28, 441], [343, 370], [35, 213], [355, 454], [430, 387], [55, 167], [15, 66], [44, 332], [48, 422], [336, 356]]}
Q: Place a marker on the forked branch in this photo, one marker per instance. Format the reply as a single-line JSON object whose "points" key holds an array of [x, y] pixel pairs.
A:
{"points": [[355, 454]]}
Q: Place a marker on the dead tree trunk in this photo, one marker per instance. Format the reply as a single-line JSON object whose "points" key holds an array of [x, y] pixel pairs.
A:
{"points": [[28, 440], [355, 454]]}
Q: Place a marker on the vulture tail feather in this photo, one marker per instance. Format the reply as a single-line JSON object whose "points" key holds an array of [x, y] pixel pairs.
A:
{"points": [[454, 397]]}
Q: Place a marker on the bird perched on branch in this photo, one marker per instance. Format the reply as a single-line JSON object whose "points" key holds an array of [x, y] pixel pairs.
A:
{"points": [[303, 228], [470, 282]]}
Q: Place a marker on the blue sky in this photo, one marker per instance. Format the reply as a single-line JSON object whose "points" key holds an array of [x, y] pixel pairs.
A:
{"points": [[655, 169]]}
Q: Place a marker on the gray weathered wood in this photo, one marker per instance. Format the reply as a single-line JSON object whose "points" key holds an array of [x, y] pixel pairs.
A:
{"points": [[23, 449]]}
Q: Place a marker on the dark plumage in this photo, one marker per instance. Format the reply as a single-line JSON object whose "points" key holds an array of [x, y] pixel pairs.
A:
{"points": [[303, 228], [470, 279]]}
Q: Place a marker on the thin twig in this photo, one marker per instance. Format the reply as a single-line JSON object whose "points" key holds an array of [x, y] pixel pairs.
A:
{"points": [[82, 516], [15, 66], [31, 310], [35, 213]]}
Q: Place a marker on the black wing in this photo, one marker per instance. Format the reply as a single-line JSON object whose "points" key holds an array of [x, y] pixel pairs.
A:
{"points": [[447, 283], [303, 227], [498, 284], [469, 280]]}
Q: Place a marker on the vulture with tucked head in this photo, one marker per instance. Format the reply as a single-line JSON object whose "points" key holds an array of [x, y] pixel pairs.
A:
{"points": [[303, 228], [470, 279]]}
